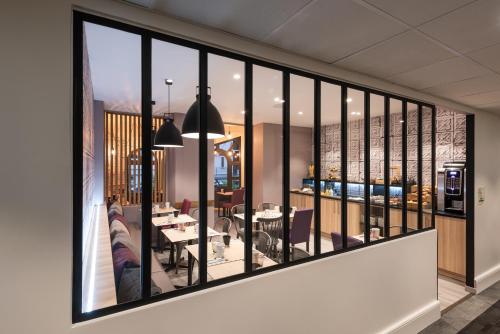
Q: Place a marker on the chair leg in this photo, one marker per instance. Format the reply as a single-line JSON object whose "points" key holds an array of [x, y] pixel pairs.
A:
{"points": [[307, 246], [178, 257]]}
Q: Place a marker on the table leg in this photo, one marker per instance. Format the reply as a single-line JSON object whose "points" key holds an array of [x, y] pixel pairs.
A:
{"points": [[190, 267], [158, 239]]}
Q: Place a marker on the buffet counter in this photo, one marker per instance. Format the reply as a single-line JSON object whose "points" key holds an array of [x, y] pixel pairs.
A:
{"points": [[450, 227]]}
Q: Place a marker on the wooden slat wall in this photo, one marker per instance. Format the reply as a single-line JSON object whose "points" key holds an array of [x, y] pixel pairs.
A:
{"points": [[123, 142]]}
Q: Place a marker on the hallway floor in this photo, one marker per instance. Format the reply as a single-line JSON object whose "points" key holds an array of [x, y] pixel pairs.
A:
{"points": [[450, 292], [477, 314]]}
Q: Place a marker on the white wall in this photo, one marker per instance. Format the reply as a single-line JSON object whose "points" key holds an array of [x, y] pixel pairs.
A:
{"points": [[487, 214], [36, 207]]}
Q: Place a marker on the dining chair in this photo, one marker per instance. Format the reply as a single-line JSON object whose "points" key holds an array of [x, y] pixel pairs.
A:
{"points": [[274, 227], [238, 197], [238, 223], [300, 231], [262, 242], [266, 206], [223, 224], [196, 214], [337, 241], [186, 205]]}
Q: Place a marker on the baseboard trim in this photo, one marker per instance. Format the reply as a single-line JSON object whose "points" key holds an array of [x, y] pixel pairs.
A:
{"points": [[416, 321], [486, 279]]}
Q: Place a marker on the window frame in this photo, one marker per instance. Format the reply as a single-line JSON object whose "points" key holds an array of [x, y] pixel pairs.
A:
{"points": [[79, 17]]}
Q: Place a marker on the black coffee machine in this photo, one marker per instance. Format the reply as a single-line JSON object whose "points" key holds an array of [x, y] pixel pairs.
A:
{"points": [[451, 187]]}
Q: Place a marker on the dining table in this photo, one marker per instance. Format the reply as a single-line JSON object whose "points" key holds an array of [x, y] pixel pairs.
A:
{"points": [[159, 211], [187, 235], [262, 214], [169, 220], [233, 262]]}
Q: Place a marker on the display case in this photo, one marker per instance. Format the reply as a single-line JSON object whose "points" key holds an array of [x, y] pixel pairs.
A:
{"points": [[355, 190]]}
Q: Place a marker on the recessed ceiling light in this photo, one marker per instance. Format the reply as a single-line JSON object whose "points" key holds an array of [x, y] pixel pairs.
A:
{"points": [[169, 81], [349, 100], [401, 121], [300, 113], [278, 100], [353, 113], [236, 76], [243, 112]]}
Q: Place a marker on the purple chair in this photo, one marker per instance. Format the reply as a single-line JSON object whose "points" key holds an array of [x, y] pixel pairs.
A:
{"points": [[238, 197], [337, 241], [300, 230]]}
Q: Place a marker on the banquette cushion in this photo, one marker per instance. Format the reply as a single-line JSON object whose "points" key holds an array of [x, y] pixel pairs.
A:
{"points": [[115, 208]]}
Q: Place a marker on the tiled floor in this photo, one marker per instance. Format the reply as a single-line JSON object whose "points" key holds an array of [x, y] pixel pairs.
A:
{"points": [[450, 292], [455, 320]]}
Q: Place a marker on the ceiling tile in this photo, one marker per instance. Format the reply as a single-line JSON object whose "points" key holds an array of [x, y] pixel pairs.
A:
{"points": [[239, 17], [480, 99], [416, 12], [489, 57], [476, 85], [443, 72], [469, 28], [413, 51], [330, 30]]}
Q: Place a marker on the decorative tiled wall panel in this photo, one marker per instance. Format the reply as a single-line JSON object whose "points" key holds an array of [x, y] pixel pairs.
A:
{"points": [[450, 144]]}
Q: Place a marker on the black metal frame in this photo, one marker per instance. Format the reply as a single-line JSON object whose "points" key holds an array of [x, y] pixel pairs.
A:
{"points": [[404, 167], [470, 200], [420, 173], [367, 212], [387, 161], [343, 163], [317, 169], [79, 18]]}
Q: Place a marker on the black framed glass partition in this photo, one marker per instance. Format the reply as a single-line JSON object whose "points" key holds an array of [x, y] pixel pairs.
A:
{"points": [[196, 166], [175, 88], [267, 168]]}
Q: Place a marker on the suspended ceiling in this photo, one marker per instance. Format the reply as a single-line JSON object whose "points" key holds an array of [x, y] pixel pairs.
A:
{"points": [[448, 48]]}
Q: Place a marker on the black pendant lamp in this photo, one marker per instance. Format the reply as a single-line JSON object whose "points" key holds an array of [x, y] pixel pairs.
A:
{"points": [[168, 135], [191, 125]]}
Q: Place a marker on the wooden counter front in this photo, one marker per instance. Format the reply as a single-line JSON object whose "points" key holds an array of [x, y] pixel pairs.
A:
{"points": [[451, 230], [451, 246]]}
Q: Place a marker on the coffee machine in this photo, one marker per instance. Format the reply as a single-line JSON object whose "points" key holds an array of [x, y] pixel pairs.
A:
{"points": [[451, 187]]}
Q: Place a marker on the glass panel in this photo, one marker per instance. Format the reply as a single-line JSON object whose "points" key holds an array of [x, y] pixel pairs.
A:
{"points": [[331, 237], [301, 163], [377, 155], [427, 166], [226, 161], [412, 166], [355, 166], [175, 169], [395, 166], [111, 167], [267, 163]]}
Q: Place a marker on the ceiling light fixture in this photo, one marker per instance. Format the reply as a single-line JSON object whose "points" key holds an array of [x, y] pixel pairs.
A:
{"points": [[300, 113], [168, 135], [236, 76], [349, 100], [191, 124]]}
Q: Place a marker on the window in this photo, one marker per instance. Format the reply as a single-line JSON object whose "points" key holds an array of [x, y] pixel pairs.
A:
{"points": [[196, 166]]}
